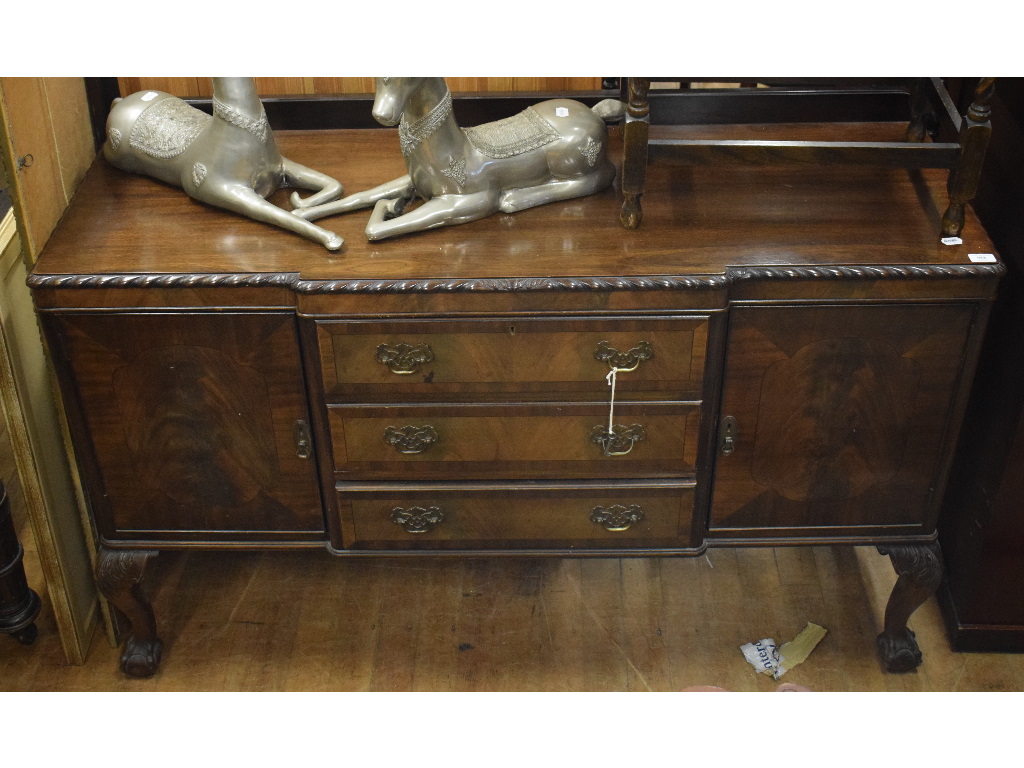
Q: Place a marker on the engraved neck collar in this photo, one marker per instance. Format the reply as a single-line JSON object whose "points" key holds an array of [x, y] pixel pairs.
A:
{"points": [[258, 128], [410, 135]]}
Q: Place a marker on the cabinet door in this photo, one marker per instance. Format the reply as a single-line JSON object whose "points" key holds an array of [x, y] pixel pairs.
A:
{"points": [[835, 420], [186, 425]]}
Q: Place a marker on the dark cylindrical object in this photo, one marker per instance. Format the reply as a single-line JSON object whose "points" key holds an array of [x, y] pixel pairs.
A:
{"points": [[19, 605]]}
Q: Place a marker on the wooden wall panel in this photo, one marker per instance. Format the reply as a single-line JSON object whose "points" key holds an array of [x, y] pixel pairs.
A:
{"points": [[46, 119], [69, 118], [49, 492], [200, 87], [183, 87]]}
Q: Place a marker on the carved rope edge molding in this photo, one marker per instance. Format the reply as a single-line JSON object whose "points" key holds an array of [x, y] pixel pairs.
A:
{"points": [[504, 285], [866, 272], [162, 280], [516, 285]]}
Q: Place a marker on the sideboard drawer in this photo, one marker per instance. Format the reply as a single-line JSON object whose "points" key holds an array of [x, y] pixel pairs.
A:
{"points": [[524, 516], [418, 360], [514, 441]]}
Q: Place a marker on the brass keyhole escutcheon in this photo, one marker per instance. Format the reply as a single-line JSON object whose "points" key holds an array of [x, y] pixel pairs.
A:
{"points": [[728, 436]]}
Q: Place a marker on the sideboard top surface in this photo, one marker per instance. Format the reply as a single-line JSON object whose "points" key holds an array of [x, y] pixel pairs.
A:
{"points": [[697, 221]]}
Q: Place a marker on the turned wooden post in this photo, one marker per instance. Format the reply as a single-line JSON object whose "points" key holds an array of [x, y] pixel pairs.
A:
{"points": [[634, 151], [919, 567], [118, 576], [19, 605], [975, 131], [920, 110]]}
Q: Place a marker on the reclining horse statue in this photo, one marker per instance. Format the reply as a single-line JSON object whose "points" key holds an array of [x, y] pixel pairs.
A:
{"points": [[554, 150], [229, 160]]}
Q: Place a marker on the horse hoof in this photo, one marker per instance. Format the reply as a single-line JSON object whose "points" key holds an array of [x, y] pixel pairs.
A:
{"points": [[334, 242]]}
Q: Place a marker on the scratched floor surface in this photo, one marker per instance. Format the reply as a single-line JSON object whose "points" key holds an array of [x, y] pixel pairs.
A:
{"points": [[309, 622]]}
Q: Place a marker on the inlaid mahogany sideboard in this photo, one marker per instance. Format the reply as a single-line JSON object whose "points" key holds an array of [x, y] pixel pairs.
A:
{"points": [[792, 350]]}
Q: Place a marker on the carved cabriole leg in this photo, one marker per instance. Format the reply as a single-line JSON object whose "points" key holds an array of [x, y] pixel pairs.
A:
{"points": [[974, 135], [634, 152], [920, 570], [118, 574]]}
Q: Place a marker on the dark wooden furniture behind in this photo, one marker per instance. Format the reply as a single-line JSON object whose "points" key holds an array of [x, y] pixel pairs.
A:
{"points": [[982, 528], [793, 349], [19, 604], [959, 142]]}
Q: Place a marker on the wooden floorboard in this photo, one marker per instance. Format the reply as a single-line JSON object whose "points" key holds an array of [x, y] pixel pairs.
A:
{"points": [[305, 621]]}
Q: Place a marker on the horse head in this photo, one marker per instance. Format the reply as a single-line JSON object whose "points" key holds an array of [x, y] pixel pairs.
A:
{"points": [[392, 97]]}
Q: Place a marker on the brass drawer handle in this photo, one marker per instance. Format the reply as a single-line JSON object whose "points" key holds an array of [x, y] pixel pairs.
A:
{"points": [[624, 361], [410, 439], [617, 517], [619, 440], [404, 358], [417, 519]]}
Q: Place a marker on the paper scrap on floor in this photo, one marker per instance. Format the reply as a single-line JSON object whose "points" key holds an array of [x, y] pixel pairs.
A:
{"points": [[769, 659]]}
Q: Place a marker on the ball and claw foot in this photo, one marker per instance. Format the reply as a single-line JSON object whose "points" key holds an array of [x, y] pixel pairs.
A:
{"points": [[899, 654], [141, 658]]}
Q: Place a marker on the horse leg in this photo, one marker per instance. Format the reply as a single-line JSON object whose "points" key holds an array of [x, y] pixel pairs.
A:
{"points": [[441, 211], [302, 177], [513, 200], [399, 188], [245, 201]]}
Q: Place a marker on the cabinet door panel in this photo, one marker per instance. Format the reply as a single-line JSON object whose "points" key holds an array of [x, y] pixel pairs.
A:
{"points": [[840, 416], [191, 422]]}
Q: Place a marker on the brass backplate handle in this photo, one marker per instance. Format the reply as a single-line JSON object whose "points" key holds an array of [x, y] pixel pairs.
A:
{"points": [[617, 517], [619, 441], [417, 519], [411, 439], [623, 361], [404, 358]]}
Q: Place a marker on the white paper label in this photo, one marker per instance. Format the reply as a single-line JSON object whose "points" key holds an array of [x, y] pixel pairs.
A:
{"points": [[982, 258], [764, 657], [561, 112], [952, 241], [150, 96]]}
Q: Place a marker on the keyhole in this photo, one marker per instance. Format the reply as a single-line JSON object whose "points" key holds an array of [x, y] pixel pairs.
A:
{"points": [[512, 330]]}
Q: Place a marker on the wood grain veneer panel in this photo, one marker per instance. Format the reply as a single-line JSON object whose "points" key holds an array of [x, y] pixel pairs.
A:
{"points": [[514, 356], [514, 516], [514, 441], [186, 423], [842, 413]]}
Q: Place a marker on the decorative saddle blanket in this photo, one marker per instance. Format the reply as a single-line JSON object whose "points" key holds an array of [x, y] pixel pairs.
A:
{"points": [[167, 128], [513, 135]]}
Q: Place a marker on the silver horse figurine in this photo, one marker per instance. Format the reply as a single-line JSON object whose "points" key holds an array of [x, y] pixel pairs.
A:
{"points": [[554, 150], [229, 160]]}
